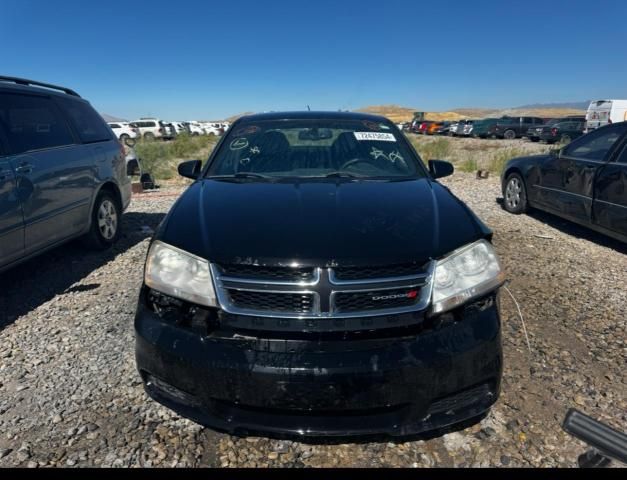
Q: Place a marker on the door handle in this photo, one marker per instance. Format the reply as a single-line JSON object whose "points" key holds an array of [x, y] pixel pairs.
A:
{"points": [[24, 168]]}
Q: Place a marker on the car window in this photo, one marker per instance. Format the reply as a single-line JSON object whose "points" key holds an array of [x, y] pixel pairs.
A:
{"points": [[114, 125], [597, 144], [32, 123], [316, 149], [90, 126], [622, 158]]}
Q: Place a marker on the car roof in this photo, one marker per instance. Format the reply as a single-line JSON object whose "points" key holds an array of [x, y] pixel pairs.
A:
{"points": [[321, 115], [25, 85]]}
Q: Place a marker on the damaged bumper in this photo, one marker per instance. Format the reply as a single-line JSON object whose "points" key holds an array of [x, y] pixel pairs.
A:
{"points": [[393, 385]]}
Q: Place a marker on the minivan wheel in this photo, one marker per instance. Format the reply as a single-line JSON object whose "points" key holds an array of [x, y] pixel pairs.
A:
{"points": [[515, 194], [510, 134], [124, 137], [105, 222]]}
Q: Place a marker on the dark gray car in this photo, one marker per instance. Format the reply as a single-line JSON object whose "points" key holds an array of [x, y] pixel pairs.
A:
{"points": [[63, 173]]}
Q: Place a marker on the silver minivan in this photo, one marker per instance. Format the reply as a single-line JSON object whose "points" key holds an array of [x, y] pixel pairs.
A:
{"points": [[63, 173]]}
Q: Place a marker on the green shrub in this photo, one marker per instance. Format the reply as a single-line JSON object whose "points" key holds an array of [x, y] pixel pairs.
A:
{"points": [[162, 158], [468, 165]]}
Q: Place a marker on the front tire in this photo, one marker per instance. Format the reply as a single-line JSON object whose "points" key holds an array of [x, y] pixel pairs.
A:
{"points": [[124, 137], [509, 135], [515, 195], [105, 222]]}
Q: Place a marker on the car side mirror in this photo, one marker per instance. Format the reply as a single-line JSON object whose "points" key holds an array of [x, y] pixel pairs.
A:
{"points": [[440, 168], [132, 167], [190, 169]]}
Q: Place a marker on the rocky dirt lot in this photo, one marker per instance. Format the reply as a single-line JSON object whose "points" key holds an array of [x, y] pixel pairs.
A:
{"points": [[70, 394]]}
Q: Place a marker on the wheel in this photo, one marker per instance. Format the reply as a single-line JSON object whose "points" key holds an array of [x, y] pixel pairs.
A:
{"points": [[105, 222], [149, 136], [515, 194], [124, 137], [565, 138], [509, 134]]}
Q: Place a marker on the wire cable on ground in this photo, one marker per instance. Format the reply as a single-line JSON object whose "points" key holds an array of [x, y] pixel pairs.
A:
{"points": [[522, 320]]}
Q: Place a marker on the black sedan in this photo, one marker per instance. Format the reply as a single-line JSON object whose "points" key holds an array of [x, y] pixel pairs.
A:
{"points": [[316, 279], [585, 182]]}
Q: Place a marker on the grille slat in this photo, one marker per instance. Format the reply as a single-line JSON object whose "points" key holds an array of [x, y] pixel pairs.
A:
{"points": [[254, 272], [369, 273], [273, 302]]}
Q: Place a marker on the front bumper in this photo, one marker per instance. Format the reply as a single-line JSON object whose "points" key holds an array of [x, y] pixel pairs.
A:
{"points": [[396, 386]]}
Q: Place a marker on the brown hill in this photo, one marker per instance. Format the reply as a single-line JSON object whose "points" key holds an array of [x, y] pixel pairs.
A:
{"points": [[235, 117], [398, 114]]}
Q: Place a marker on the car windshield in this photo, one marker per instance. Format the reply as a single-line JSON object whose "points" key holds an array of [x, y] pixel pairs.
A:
{"points": [[321, 148]]}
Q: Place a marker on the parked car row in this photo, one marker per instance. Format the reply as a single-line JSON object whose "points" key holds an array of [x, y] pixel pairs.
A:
{"points": [[534, 128], [153, 128]]}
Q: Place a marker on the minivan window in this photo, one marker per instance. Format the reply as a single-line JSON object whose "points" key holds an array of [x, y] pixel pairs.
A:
{"points": [[90, 126], [32, 123], [316, 149]]}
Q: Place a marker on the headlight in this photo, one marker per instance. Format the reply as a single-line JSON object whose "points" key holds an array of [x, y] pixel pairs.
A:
{"points": [[179, 274], [465, 274]]}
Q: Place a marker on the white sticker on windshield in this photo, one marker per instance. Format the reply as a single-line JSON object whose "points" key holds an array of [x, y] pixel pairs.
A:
{"points": [[375, 136]]}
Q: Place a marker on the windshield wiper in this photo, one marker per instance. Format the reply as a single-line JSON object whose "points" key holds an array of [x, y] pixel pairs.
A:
{"points": [[240, 175], [342, 175]]}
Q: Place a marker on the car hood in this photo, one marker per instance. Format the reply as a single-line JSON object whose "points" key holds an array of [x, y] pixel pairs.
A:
{"points": [[319, 223]]}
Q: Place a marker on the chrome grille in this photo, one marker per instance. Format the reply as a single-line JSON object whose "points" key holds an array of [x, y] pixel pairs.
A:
{"points": [[325, 293]]}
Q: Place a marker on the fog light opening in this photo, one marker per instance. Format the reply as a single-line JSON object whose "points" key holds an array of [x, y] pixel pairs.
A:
{"points": [[164, 388]]}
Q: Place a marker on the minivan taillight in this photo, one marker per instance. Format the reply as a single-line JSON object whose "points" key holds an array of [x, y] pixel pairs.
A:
{"points": [[554, 132]]}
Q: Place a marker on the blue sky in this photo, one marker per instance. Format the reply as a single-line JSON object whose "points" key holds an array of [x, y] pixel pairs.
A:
{"points": [[210, 59]]}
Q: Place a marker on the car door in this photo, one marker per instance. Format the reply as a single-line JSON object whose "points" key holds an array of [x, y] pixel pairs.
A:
{"points": [[54, 175], [567, 179], [525, 124], [11, 217], [610, 198]]}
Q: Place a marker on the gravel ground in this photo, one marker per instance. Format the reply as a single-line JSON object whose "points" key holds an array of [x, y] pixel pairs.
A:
{"points": [[70, 394]]}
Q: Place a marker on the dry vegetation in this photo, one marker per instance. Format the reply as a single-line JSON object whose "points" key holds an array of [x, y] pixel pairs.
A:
{"points": [[162, 158], [471, 154]]}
